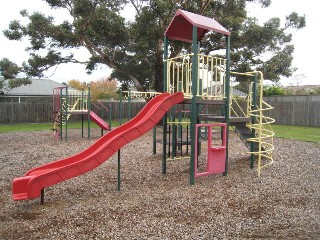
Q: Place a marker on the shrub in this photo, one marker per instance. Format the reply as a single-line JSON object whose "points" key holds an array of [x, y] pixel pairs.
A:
{"points": [[273, 90]]}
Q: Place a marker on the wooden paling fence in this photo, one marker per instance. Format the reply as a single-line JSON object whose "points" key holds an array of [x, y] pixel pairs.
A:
{"points": [[41, 112], [288, 110], [295, 110]]}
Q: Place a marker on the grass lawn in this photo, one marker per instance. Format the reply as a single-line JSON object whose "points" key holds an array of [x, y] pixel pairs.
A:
{"points": [[44, 126], [311, 134]]}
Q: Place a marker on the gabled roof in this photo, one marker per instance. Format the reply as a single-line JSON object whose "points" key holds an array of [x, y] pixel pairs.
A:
{"points": [[37, 87], [180, 27]]}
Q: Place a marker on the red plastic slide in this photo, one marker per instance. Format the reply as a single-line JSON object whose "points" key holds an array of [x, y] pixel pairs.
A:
{"points": [[29, 186], [99, 121]]}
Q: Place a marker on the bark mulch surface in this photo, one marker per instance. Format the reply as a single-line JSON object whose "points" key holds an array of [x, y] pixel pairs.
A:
{"points": [[284, 203]]}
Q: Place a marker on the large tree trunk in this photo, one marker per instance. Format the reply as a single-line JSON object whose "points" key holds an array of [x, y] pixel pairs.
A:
{"points": [[158, 78]]}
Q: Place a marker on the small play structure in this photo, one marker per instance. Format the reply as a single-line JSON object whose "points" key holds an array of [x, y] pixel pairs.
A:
{"points": [[197, 106], [67, 102]]}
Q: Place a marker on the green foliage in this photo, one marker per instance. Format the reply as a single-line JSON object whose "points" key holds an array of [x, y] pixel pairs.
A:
{"points": [[273, 90], [315, 91], [8, 69], [134, 49]]}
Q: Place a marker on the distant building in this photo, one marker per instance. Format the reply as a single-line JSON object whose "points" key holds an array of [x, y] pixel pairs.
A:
{"points": [[39, 88], [303, 90]]}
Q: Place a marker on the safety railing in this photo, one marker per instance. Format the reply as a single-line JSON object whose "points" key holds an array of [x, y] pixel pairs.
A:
{"points": [[78, 100], [137, 94], [210, 76]]}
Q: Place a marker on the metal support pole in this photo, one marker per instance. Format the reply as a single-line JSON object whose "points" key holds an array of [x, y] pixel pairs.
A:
{"points": [[164, 119], [129, 105], [119, 172], [110, 115], [187, 150], [120, 108], [174, 134], [82, 107], [61, 112], [194, 111], [89, 109], [164, 144], [82, 125], [42, 196], [227, 102], [169, 142], [154, 140], [66, 113], [253, 119]]}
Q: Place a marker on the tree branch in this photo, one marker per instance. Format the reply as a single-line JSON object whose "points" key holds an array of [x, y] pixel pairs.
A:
{"points": [[204, 5], [95, 51], [136, 7]]}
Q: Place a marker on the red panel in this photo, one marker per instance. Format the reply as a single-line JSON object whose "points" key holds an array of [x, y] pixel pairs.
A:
{"points": [[216, 155], [180, 27]]}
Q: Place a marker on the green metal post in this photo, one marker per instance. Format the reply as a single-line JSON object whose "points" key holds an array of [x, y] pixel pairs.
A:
{"points": [[82, 107], [194, 111], [198, 112], [110, 115], [66, 114], [89, 109], [61, 112], [154, 140], [82, 125], [129, 105], [164, 119], [180, 89], [227, 92], [120, 108], [174, 133], [119, 171], [253, 119]]}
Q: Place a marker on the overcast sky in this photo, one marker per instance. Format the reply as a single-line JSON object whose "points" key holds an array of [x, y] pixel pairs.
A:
{"points": [[306, 40]]}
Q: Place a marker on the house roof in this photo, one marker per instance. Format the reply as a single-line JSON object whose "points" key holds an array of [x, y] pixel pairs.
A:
{"points": [[180, 27], [37, 87]]}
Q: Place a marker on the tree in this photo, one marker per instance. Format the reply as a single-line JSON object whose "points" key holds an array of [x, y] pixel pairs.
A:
{"points": [[76, 84], [134, 49], [102, 89], [10, 71]]}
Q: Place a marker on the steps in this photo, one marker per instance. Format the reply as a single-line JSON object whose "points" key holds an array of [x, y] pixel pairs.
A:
{"points": [[240, 124]]}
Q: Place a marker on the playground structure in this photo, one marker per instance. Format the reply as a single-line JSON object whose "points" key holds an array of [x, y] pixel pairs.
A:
{"points": [[195, 82], [206, 81], [67, 102]]}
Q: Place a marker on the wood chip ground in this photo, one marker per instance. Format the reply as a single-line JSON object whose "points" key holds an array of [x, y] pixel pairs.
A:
{"points": [[284, 203]]}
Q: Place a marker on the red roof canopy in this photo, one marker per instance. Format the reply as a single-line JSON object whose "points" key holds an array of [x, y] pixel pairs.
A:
{"points": [[180, 27]]}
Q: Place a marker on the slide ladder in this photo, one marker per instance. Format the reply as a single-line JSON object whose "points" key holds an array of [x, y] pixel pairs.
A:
{"points": [[62, 119]]}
